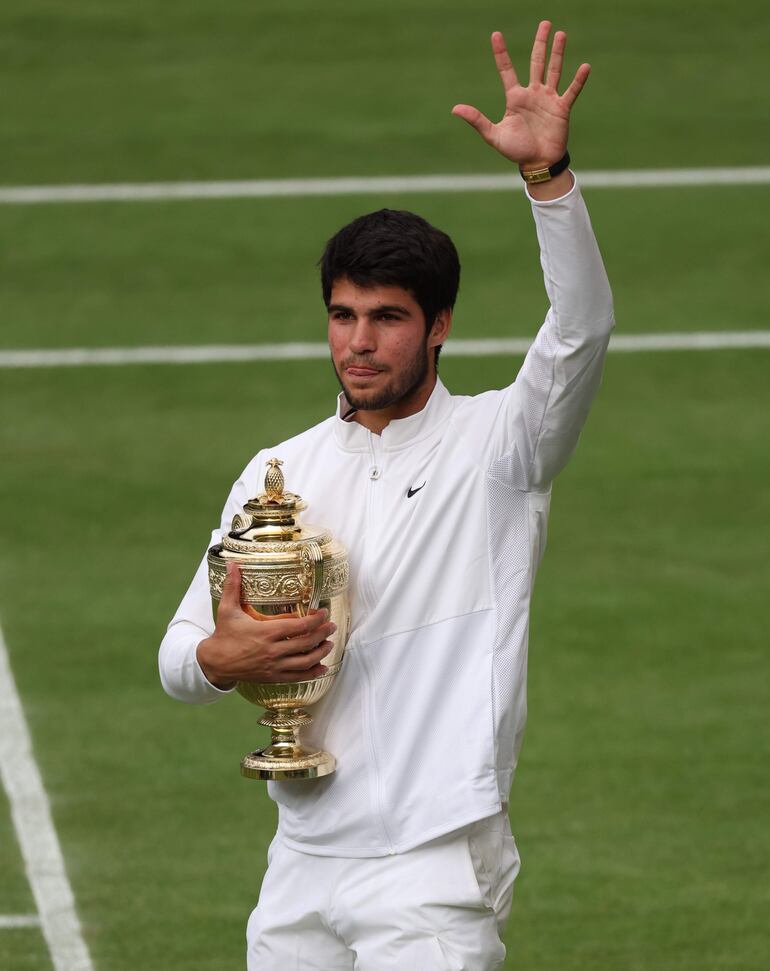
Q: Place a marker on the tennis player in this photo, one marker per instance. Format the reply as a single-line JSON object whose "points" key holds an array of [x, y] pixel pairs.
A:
{"points": [[404, 858]]}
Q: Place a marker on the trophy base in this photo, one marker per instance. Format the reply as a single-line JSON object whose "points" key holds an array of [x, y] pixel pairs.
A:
{"points": [[266, 763]]}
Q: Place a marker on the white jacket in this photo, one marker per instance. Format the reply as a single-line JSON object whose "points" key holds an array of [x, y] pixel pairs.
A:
{"points": [[427, 715]]}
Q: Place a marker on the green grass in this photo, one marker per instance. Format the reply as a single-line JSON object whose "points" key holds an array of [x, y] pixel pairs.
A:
{"points": [[641, 799], [100, 91]]}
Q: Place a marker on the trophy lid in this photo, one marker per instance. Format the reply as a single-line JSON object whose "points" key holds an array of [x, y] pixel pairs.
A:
{"points": [[284, 564], [271, 517]]}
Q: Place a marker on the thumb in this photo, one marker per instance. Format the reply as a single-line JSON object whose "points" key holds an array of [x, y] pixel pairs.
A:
{"points": [[475, 119], [231, 588]]}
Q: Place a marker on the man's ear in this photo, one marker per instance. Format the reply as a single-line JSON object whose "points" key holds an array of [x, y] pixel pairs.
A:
{"points": [[439, 330]]}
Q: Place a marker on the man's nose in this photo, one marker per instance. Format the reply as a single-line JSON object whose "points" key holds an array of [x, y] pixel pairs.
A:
{"points": [[364, 338]]}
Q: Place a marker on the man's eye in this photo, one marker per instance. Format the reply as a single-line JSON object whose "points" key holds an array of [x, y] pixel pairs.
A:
{"points": [[342, 315]]}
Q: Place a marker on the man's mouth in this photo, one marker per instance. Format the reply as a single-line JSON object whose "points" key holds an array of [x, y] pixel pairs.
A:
{"points": [[361, 370]]}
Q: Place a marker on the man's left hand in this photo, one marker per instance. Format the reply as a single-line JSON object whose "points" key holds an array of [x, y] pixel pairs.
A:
{"points": [[533, 131]]}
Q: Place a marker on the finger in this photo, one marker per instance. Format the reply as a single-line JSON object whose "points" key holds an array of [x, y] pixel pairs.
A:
{"points": [[293, 628], [557, 59], [308, 642], [318, 671], [476, 120], [503, 61], [537, 60], [303, 662], [231, 588], [581, 76]]}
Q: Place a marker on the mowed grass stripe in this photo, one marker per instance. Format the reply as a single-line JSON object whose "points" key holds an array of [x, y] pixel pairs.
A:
{"points": [[272, 188], [235, 272], [219, 353]]}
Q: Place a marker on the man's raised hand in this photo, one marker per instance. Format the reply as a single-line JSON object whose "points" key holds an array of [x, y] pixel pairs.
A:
{"points": [[245, 647], [533, 131]]}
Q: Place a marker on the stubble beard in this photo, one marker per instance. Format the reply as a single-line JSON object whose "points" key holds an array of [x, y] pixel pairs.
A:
{"points": [[399, 388]]}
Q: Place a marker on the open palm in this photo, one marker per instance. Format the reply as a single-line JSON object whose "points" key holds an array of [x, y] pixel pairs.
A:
{"points": [[534, 129]]}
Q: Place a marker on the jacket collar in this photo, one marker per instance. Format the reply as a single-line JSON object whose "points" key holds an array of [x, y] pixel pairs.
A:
{"points": [[400, 432]]}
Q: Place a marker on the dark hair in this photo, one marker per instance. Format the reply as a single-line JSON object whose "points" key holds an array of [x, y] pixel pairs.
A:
{"points": [[392, 247]]}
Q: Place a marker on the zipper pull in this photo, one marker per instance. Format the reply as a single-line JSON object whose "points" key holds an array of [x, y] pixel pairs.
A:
{"points": [[374, 471]]}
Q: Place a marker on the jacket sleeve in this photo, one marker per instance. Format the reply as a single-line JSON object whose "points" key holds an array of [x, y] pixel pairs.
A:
{"points": [[180, 673], [550, 399]]}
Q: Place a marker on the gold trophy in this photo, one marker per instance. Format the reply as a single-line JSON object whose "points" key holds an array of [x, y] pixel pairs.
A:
{"points": [[286, 568]]}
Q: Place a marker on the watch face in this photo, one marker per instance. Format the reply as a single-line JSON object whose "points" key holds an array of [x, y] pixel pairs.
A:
{"points": [[538, 175], [543, 175]]}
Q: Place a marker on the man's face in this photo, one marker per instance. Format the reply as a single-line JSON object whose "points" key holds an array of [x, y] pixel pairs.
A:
{"points": [[380, 350]]}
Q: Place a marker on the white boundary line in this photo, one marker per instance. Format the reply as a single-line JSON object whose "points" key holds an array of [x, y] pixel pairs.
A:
{"points": [[35, 831], [220, 353], [272, 188], [15, 921]]}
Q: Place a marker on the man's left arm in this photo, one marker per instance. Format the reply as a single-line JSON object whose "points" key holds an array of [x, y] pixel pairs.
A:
{"points": [[562, 370]]}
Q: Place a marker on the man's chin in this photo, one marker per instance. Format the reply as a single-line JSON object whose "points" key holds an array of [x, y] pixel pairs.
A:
{"points": [[367, 401], [384, 392]]}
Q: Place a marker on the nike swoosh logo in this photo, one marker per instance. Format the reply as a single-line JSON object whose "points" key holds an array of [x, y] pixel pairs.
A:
{"points": [[411, 492]]}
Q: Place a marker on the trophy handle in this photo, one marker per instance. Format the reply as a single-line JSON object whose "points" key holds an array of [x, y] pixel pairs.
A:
{"points": [[313, 561]]}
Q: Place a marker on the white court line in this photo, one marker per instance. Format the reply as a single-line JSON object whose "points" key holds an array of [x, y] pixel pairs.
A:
{"points": [[35, 831], [220, 353], [14, 921], [271, 188]]}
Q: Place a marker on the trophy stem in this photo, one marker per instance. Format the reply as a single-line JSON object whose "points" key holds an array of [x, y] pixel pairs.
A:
{"points": [[286, 757]]}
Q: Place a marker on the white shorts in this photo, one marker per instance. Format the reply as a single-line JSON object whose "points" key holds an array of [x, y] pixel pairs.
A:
{"points": [[439, 907]]}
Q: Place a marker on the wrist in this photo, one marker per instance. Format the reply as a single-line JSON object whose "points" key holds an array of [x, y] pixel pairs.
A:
{"points": [[206, 656], [553, 189], [535, 173]]}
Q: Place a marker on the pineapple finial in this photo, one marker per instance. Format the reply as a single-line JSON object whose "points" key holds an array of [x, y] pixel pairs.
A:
{"points": [[274, 481]]}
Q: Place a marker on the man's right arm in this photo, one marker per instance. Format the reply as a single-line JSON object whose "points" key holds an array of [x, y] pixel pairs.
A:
{"points": [[200, 660], [180, 672]]}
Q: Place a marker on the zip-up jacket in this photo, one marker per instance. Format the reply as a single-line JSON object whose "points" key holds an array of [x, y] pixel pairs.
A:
{"points": [[444, 516]]}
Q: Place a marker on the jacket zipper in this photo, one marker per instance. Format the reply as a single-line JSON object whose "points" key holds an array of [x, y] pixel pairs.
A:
{"points": [[369, 598]]}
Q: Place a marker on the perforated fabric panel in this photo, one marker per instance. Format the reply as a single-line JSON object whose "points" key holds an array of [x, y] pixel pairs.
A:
{"points": [[553, 394], [532, 391], [517, 524]]}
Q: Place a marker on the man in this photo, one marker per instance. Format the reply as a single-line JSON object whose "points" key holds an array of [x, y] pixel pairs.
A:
{"points": [[404, 858]]}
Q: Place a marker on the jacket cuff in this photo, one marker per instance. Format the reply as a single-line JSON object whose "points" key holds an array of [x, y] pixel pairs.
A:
{"points": [[559, 200]]}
